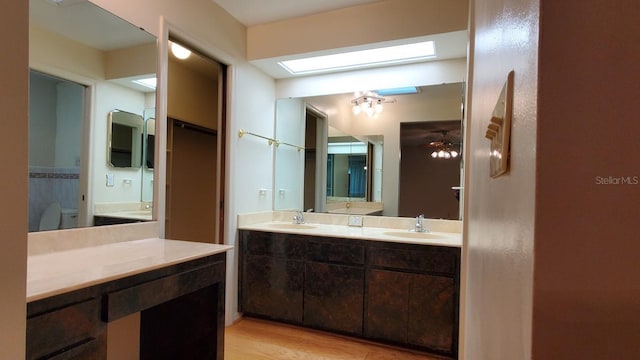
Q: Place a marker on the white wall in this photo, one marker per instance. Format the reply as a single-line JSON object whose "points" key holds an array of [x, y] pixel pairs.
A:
{"points": [[499, 218], [250, 159], [113, 97], [289, 162]]}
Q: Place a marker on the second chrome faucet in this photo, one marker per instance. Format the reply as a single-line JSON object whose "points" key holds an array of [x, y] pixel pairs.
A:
{"points": [[419, 227]]}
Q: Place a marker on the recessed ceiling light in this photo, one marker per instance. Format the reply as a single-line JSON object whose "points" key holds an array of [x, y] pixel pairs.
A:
{"points": [[148, 82], [362, 58]]}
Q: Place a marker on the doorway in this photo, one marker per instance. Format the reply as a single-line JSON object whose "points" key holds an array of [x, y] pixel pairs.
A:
{"points": [[196, 110]]}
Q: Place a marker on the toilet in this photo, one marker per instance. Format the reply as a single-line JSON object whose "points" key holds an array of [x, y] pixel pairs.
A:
{"points": [[50, 219], [54, 218], [68, 218]]}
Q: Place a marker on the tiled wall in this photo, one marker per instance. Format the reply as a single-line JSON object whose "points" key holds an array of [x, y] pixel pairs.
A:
{"points": [[47, 185]]}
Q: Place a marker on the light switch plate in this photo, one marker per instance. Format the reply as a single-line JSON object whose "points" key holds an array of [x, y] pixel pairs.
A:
{"points": [[355, 220], [110, 181]]}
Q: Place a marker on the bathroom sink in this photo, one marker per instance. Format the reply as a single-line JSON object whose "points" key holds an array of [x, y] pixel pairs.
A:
{"points": [[415, 235], [291, 226]]}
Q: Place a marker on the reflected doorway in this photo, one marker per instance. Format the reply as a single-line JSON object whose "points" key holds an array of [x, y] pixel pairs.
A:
{"points": [[429, 185]]}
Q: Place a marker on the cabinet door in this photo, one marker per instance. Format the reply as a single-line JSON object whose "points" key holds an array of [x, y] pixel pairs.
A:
{"points": [[387, 310], [432, 312], [333, 298], [272, 287]]}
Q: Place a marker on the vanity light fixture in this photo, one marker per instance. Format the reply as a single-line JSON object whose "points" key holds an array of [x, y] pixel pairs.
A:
{"points": [[388, 55], [180, 51], [369, 103]]}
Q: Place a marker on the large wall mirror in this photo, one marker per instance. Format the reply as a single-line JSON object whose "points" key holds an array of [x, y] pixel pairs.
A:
{"points": [[92, 91], [373, 174]]}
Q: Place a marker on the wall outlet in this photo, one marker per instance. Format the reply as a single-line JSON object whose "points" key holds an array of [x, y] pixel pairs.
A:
{"points": [[355, 220]]}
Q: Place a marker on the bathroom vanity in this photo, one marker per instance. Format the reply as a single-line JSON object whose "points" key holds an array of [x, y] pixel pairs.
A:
{"points": [[383, 284], [175, 285]]}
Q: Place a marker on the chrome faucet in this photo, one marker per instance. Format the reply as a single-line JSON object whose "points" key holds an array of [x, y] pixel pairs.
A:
{"points": [[420, 224], [298, 218]]}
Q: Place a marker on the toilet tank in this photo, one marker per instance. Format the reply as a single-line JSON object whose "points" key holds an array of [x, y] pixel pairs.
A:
{"points": [[68, 218]]}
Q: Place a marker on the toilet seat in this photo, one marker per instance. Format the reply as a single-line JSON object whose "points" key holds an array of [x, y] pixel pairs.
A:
{"points": [[50, 219]]}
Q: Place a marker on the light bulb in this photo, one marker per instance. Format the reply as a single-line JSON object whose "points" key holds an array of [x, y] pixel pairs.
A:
{"points": [[378, 107], [454, 153], [369, 110], [356, 110], [441, 153], [434, 154], [180, 51], [447, 155]]}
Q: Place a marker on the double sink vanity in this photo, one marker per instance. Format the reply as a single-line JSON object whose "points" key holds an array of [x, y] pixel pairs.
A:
{"points": [[370, 277]]}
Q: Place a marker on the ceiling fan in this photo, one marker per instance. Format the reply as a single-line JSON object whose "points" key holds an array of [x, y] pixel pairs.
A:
{"points": [[443, 148]]}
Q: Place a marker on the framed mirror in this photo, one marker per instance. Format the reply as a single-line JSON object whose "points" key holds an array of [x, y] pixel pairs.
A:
{"points": [[125, 139], [85, 62]]}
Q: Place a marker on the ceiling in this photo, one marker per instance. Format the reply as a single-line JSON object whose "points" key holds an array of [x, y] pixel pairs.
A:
{"points": [[255, 12]]}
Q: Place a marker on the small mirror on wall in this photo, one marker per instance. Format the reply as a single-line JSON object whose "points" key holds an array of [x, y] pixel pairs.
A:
{"points": [[125, 139]]}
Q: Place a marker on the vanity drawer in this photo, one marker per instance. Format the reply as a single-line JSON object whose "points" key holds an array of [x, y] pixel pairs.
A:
{"points": [[416, 258], [146, 295], [290, 246], [62, 332], [349, 252]]}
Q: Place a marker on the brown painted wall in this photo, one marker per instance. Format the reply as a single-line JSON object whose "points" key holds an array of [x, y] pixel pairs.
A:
{"points": [[14, 72], [586, 289], [425, 184]]}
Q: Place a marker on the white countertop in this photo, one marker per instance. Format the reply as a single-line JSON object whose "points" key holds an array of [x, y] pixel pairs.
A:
{"points": [[363, 233], [63, 271]]}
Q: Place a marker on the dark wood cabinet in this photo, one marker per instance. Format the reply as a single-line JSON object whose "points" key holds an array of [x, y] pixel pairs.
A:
{"points": [[401, 294], [272, 274], [412, 296], [188, 295], [333, 297], [71, 331]]}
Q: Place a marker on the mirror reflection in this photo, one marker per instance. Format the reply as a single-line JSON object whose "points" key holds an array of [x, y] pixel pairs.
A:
{"points": [[125, 139], [431, 103], [86, 63]]}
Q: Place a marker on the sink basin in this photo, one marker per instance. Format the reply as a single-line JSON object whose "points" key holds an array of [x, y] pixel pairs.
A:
{"points": [[415, 235], [286, 226]]}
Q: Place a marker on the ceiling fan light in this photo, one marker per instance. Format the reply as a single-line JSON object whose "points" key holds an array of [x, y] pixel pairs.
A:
{"points": [[378, 107], [356, 109]]}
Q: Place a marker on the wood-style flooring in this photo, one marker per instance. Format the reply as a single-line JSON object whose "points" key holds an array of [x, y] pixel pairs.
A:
{"points": [[251, 339]]}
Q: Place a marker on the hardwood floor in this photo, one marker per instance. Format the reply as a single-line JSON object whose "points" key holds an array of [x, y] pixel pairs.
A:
{"points": [[252, 339]]}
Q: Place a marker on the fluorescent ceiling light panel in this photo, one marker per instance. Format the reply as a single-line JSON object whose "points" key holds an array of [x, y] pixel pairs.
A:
{"points": [[363, 58], [398, 91], [148, 82]]}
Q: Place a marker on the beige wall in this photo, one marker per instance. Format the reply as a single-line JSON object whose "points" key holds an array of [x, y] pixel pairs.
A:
{"points": [[14, 72], [587, 279], [499, 219], [192, 96], [384, 21]]}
